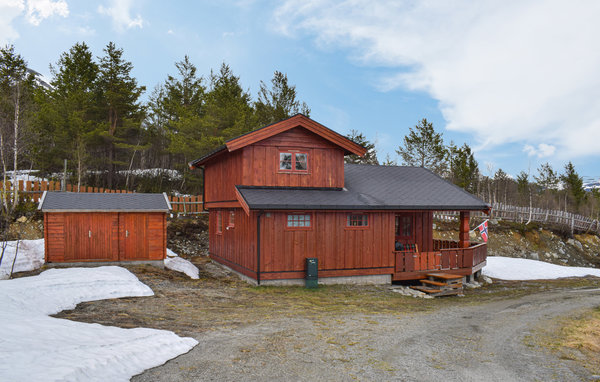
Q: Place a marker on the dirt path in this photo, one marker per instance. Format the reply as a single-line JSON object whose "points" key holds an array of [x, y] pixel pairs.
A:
{"points": [[480, 342]]}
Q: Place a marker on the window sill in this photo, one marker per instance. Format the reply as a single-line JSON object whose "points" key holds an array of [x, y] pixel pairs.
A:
{"points": [[359, 228]]}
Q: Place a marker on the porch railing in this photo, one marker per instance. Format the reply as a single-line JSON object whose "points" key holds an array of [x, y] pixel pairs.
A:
{"points": [[446, 255]]}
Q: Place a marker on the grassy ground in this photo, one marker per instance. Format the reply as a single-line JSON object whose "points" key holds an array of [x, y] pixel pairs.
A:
{"points": [[575, 338], [213, 302]]}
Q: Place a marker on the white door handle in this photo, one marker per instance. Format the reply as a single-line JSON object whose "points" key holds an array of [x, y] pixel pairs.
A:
{"points": [[126, 233], [90, 233]]}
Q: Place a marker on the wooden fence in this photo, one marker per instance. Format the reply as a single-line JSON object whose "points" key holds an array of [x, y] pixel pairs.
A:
{"points": [[562, 219], [32, 191]]}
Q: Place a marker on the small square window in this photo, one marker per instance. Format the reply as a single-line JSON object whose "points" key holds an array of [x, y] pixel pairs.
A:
{"points": [[298, 221], [357, 220], [285, 161], [301, 163]]}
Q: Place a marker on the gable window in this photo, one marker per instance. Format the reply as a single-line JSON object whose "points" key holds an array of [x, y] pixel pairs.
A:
{"points": [[357, 220], [298, 221], [219, 222], [293, 161]]}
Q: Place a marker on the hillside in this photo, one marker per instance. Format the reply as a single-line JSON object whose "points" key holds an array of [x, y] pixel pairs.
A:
{"points": [[532, 242]]}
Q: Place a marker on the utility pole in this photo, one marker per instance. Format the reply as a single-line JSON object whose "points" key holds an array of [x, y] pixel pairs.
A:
{"points": [[63, 186]]}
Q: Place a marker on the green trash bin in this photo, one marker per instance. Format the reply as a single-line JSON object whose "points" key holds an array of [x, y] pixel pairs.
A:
{"points": [[312, 272]]}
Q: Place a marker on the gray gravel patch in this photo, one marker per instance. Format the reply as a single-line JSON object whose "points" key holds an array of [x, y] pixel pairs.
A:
{"points": [[483, 342]]}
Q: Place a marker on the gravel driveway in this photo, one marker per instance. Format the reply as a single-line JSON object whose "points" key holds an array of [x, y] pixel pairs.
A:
{"points": [[479, 342]]}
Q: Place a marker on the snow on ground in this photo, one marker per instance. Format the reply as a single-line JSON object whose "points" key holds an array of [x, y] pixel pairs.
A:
{"points": [[178, 264], [508, 268], [36, 347], [25, 175], [29, 257]]}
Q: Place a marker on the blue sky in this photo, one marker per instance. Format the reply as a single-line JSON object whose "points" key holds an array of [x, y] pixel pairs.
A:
{"points": [[517, 80]]}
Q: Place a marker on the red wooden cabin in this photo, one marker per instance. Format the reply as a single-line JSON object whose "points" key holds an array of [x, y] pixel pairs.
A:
{"points": [[281, 194]]}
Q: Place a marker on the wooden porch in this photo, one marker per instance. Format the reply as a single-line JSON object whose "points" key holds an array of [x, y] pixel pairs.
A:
{"points": [[447, 257]]}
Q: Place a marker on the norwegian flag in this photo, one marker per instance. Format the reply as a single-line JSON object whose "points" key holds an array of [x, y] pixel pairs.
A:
{"points": [[483, 229]]}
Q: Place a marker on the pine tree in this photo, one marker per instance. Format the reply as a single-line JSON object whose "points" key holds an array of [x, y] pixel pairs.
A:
{"points": [[68, 112], [279, 102], [547, 178], [389, 161], [574, 184], [501, 180], [119, 100], [465, 169], [176, 110], [370, 156], [424, 147]]}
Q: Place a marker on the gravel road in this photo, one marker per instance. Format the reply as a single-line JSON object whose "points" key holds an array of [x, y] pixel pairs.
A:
{"points": [[480, 342]]}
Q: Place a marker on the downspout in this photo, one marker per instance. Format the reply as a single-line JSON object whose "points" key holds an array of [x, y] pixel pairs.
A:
{"points": [[258, 247]]}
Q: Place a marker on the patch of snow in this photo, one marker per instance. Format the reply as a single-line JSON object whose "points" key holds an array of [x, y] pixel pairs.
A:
{"points": [[25, 175], [29, 257], [508, 268], [179, 264], [37, 347], [170, 174]]}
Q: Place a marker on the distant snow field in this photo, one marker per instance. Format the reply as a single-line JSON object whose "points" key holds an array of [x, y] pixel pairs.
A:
{"points": [[36, 347], [508, 268]]}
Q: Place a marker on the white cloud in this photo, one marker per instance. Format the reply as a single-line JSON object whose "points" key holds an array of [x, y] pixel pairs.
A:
{"points": [[9, 10], [504, 71], [35, 11], [120, 11], [542, 151], [38, 10]]}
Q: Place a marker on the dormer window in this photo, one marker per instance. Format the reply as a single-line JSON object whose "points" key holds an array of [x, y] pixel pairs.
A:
{"points": [[293, 161]]}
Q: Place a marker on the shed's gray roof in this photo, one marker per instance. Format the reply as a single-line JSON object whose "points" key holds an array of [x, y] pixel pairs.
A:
{"points": [[82, 202], [370, 187]]}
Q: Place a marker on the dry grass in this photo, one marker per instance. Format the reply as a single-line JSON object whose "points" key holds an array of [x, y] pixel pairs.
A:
{"points": [[575, 338], [213, 302], [583, 335]]}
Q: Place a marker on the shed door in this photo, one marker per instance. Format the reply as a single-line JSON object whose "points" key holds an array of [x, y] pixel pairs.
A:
{"points": [[91, 237], [141, 236]]}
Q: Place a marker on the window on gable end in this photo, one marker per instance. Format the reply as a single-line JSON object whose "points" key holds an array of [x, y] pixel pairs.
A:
{"points": [[293, 161]]}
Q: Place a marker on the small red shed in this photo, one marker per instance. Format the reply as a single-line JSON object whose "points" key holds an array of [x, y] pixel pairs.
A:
{"points": [[104, 227]]}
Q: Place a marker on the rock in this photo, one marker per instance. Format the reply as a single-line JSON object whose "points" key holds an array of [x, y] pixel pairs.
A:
{"points": [[487, 280], [472, 285], [555, 255], [22, 219], [534, 256], [493, 221], [575, 243]]}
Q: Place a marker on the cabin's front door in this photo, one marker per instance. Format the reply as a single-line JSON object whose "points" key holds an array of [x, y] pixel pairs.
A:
{"points": [[405, 232]]}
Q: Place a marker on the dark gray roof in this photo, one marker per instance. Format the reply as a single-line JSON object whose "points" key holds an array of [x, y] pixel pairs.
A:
{"points": [[83, 201], [370, 187]]}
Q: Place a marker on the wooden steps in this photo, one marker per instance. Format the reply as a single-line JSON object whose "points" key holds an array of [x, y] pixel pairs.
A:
{"points": [[441, 284]]}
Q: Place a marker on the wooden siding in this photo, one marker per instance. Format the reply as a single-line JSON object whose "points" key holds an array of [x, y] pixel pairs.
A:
{"points": [[91, 237], [141, 236], [221, 176], [75, 237], [341, 251], [235, 246], [291, 123], [325, 161]]}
